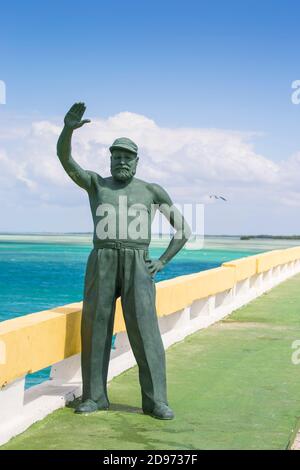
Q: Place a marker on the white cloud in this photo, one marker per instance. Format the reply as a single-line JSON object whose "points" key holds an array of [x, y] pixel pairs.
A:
{"points": [[191, 163]]}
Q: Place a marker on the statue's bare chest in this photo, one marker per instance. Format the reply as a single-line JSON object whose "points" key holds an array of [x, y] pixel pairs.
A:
{"points": [[120, 197]]}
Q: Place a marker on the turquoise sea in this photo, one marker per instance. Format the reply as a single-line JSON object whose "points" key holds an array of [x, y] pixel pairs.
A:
{"points": [[41, 271]]}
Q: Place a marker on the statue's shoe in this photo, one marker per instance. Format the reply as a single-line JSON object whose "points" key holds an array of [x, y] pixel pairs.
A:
{"points": [[161, 411], [90, 406]]}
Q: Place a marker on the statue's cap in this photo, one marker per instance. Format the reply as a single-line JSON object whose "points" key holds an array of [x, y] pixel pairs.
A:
{"points": [[124, 143]]}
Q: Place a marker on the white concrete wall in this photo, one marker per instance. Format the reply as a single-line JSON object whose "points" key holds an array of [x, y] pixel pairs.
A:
{"points": [[19, 408]]}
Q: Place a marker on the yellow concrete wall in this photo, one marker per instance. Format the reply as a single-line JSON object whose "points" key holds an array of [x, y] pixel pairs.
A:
{"points": [[268, 260], [291, 254], [38, 340], [244, 267]]}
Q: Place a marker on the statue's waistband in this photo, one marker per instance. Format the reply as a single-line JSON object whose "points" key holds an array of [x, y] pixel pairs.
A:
{"points": [[117, 245]]}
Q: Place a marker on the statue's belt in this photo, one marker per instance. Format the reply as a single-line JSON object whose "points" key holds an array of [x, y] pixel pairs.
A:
{"points": [[117, 245]]}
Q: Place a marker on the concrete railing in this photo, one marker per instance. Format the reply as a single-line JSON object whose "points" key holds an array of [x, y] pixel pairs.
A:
{"points": [[52, 338]]}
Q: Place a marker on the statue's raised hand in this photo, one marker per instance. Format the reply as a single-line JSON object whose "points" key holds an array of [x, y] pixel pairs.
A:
{"points": [[73, 118]]}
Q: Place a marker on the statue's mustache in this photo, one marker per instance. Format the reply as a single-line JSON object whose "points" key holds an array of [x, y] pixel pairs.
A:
{"points": [[119, 167]]}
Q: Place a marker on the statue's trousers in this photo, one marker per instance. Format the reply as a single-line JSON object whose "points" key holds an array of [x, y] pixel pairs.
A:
{"points": [[112, 273]]}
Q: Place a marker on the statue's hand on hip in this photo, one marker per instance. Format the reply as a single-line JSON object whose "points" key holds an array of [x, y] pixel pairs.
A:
{"points": [[155, 266], [73, 118]]}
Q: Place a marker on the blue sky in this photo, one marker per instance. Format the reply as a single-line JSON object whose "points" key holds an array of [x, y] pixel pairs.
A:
{"points": [[183, 64]]}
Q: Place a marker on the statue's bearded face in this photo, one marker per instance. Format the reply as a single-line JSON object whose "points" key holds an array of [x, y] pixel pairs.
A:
{"points": [[123, 164]]}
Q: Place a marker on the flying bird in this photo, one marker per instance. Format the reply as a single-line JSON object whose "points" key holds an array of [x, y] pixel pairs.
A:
{"points": [[217, 197]]}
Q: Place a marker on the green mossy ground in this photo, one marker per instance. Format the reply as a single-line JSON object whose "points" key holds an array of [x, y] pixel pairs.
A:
{"points": [[232, 386]]}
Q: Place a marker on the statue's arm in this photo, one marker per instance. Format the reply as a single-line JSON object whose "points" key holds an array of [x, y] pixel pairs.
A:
{"points": [[176, 219], [64, 149]]}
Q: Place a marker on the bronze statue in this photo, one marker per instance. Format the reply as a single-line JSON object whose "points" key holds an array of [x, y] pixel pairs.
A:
{"points": [[123, 208]]}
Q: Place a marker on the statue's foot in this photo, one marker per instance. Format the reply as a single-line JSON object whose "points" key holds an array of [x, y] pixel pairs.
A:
{"points": [[90, 406], [161, 411]]}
